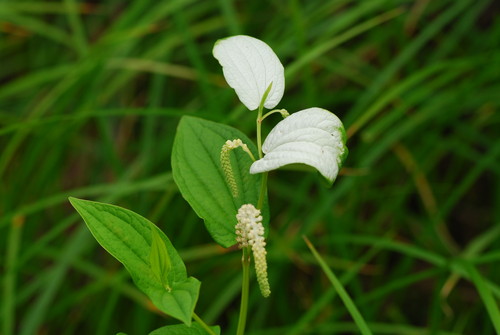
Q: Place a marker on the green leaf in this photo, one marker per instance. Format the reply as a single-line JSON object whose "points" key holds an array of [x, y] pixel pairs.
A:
{"points": [[128, 237], [198, 173], [159, 259], [195, 329]]}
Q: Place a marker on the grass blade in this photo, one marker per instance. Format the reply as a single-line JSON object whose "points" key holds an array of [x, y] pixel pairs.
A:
{"points": [[346, 299], [485, 294]]}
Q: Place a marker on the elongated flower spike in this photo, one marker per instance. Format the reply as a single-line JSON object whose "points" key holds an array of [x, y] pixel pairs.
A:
{"points": [[226, 162], [250, 233]]}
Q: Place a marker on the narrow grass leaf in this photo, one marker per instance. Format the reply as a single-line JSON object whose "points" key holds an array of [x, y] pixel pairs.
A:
{"points": [[485, 293], [346, 299], [52, 283]]}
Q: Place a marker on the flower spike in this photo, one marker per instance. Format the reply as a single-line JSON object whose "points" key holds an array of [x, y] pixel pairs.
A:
{"points": [[225, 162], [250, 232]]}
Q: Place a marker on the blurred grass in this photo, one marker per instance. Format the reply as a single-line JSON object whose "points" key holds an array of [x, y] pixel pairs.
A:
{"points": [[90, 96]]}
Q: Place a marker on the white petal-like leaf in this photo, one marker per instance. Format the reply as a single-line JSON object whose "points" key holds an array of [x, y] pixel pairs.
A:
{"points": [[313, 136], [250, 66]]}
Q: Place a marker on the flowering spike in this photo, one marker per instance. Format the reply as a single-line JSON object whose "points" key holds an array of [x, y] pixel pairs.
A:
{"points": [[250, 232], [226, 162]]}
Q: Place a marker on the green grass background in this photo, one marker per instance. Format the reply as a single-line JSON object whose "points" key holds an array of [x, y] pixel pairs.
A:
{"points": [[90, 96]]}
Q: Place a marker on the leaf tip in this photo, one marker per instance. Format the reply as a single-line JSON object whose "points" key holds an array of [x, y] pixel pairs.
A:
{"points": [[75, 202]]}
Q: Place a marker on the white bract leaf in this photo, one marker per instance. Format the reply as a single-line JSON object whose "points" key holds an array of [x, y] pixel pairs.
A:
{"points": [[313, 136], [250, 66]]}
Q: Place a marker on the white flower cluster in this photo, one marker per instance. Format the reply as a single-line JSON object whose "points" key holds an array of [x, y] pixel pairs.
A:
{"points": [[234, 144], [250, 232]]}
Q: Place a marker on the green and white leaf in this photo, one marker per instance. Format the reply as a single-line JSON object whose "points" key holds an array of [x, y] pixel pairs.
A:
{"points": [[250, 66], [198, 173], [195, 329], [128, 237], [314, 136]]}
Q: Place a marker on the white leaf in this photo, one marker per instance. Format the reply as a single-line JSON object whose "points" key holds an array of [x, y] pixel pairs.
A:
{"points": [[250, 66], [313, 136]]}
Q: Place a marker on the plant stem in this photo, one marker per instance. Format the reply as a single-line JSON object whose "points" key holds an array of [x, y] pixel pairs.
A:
{"points": [[259, 131], [245, 261], [263, 190], [263, 184], [203, 324], [260, 118], [283, 113]]}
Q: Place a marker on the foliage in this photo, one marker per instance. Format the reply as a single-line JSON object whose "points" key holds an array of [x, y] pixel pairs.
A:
{"points": [[91, 95], [144, 250], [199, 176]]}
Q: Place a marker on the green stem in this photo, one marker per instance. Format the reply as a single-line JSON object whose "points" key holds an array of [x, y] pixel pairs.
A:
{"points": [[283, 113], [259, 131], [260, 118], [203, 324], [245, 262], [263, 184], [263, 190], [245, 149]]}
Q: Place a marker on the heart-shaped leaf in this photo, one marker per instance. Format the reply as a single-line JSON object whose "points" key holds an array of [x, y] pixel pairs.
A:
{"points": [[250, 66], [197, 170], [313, 136], [129, 237]]}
